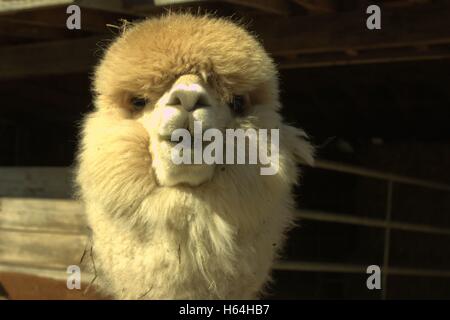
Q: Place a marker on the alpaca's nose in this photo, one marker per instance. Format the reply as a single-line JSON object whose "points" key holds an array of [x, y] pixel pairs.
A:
{"points": [[189, 92]]}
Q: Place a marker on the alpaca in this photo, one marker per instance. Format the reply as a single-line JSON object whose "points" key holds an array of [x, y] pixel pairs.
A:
{"points": [[166, 231]]}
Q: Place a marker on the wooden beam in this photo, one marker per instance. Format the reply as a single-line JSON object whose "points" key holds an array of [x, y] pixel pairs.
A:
{"points": [[317, 6], [403, 3], [377, 174], [52, 58], [44, 272], [7, 6], [55, 216], [269, 6], [280, 7], [41, 250], [351, 268], [343, 31], [332, 217], [106, 5], [25, 30], [356, 58], [93, 20]]}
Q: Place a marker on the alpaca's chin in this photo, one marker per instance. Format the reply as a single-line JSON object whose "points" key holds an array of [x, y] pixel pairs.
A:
{"points": [[191, 175], [170, 174]]}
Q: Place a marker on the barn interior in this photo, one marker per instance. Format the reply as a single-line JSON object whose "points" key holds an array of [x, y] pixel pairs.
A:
{"points": [[376, 104]]}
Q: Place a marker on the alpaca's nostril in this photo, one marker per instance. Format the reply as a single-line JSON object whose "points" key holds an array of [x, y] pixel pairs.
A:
{"points": [[175, 100]]}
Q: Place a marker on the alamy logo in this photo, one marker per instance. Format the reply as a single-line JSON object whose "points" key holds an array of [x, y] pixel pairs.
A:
{"points": [[74, 277], [374, 280], [73, 22], [237, 146], [373, 22]]}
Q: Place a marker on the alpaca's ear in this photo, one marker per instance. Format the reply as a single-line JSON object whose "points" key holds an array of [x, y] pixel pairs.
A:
{"points": [[298, 142]]}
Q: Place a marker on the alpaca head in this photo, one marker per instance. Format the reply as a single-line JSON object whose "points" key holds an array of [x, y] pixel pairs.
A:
{"points": [[163, 74], [166, 73]]}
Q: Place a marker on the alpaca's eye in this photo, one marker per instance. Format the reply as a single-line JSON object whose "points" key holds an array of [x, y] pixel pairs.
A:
{"points": [[139, 103], [237, 104]]}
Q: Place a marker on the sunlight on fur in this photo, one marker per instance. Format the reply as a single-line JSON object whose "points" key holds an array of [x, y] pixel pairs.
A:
{"points": [[166, 231]]}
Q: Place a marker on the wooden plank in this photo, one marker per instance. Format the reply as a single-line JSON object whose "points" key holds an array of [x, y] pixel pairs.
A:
{"points": [[317, 6], [357, 58], [343, 31], [403, 3], [271, 6], [42, 182], [93, 20], [20, 286], [41, 250], [30, 4], [377, 174], [42, 215], [44, 272], [11, 27], [312, 266], [52, 58], [318, 267], [369, 222], [106, 5]]}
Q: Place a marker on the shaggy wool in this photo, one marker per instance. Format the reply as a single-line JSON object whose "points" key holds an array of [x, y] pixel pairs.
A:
{"points": [[159, 235]]}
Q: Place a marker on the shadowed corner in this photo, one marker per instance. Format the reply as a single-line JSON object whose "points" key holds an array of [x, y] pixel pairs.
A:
{"points": [[3, 294]]}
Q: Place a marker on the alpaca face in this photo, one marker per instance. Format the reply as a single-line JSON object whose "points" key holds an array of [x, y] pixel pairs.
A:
{"points": [[189, 99], [164, 74]]}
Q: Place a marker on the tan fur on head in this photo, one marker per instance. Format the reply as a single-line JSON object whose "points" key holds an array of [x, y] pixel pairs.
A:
{"points": [[154, 55], [163, 231]]}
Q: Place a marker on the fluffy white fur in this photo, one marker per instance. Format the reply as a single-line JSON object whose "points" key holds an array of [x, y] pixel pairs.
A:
{"points": [[162, 231]]}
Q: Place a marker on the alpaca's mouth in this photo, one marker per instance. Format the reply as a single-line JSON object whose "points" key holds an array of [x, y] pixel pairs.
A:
{"points": [[190, 142], [177, 162]]}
